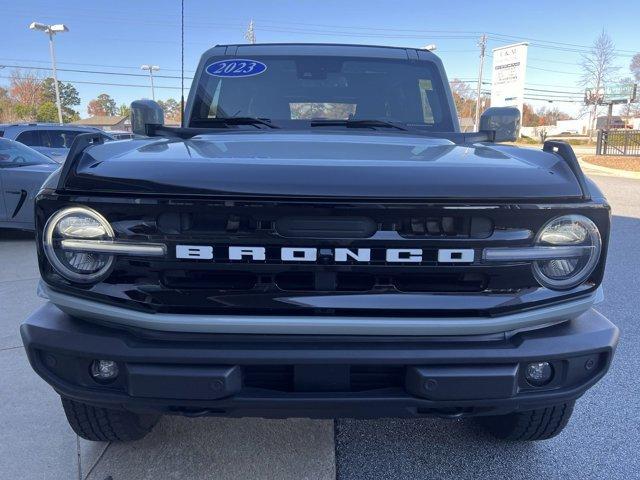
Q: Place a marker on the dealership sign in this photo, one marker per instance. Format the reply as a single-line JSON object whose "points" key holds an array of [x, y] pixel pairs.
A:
{"points": [[507, 80]]}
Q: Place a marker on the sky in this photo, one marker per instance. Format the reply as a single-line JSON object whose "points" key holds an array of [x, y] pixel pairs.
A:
{"points": [[115, 37]]}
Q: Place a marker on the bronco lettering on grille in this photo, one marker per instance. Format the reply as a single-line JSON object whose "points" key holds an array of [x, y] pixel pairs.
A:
{"points": [[310, 254]]}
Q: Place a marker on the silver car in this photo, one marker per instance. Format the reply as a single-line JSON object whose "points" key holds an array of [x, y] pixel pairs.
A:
{"points": [[54, 140], [22, 172]]}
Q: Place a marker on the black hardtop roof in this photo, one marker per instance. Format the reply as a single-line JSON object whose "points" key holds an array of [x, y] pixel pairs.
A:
{"points": [[314, 49]]}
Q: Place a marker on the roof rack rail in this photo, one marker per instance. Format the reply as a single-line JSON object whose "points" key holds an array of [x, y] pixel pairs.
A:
{"points": [[80, 143], [568, 155]]}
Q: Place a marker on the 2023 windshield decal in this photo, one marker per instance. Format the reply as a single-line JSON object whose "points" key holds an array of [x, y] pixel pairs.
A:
{"points": [[237, 67]]}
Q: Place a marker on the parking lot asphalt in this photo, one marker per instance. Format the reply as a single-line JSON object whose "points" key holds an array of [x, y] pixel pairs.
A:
{"points": [[601, 440]]}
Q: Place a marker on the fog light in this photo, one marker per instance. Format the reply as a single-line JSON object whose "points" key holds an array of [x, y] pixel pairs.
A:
{"points": [[104, 370], [538, 373]]}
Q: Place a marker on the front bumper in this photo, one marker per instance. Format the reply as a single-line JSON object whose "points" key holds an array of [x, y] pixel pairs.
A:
{"points": [[323, 325], [317, 376]]}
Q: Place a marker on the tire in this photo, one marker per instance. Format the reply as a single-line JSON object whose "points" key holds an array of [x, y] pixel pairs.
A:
{"points": [[539, 424], [106, 425]]}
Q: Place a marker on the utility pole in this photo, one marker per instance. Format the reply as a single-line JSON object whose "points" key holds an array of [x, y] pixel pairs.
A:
{"points": [[51, 30], [482, 43], [151, 69], [250, 35]]}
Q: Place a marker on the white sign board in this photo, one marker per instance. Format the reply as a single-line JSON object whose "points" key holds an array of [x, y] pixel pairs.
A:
{"points": [[508, 74]]}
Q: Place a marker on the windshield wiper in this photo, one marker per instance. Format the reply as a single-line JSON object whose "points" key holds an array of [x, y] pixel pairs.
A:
{"points": [[357, 124], [241, 121]]}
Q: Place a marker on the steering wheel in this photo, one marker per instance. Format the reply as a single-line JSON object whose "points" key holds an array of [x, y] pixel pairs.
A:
{"points": [[19, 159]]}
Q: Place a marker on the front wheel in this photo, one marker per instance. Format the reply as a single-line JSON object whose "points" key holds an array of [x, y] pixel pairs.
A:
{"points": [[105, 424], [539, 424]]}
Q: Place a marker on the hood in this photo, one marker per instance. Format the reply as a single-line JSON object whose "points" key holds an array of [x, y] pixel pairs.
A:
{"points": [[367, 166], [39, 168]]}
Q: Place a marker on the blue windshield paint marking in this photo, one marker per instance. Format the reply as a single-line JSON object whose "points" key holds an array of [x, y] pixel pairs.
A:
{"points": [[235, 68]]}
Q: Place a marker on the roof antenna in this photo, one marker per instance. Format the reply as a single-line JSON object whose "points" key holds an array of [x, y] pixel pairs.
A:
{"points": [[182, 67]]}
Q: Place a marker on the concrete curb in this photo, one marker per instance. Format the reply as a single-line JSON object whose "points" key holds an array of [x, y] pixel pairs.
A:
{"points": [[611, 171]]}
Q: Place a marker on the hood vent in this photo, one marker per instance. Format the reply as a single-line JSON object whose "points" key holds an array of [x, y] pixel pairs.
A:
{"points": [[326, 227]]}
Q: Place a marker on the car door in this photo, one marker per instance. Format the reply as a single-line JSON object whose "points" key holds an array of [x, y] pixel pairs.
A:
{"points": [[3, 208], [23, 172]]}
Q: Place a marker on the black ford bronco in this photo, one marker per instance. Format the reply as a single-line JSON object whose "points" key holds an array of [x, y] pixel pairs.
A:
{"points": [[320, 240]]}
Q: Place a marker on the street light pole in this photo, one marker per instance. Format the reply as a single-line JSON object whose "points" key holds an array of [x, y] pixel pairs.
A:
{"points": [[55, 76], [482, 44], [151, 69], [51, 30]]}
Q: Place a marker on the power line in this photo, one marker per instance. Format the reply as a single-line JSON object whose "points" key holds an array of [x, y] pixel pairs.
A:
{"points": [[135, 67], [125, 74], [98, 72], [551, 42], [553, 71], [110, 84], [349, 30]]}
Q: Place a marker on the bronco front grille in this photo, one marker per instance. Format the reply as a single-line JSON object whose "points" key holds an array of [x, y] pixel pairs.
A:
{"points": [[321, 226], [325, 281], [323, 286]]}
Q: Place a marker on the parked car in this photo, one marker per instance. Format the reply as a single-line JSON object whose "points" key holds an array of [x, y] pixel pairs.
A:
{"points": [[123, 135], [320, 240], [54, 140], [22, 172], [568, 132]]}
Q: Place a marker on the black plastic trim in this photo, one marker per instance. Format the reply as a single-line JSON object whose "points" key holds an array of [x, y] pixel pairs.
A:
{"points": [[568, 155], [80, 143], [49, 333]]}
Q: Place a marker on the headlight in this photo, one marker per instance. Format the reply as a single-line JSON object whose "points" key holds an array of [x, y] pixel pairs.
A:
{"points": [[77, 223], [568, 271]]}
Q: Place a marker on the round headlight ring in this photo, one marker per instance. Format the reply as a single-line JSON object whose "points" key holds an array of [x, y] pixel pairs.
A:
{"points": [[49, 246], [592, 238]]}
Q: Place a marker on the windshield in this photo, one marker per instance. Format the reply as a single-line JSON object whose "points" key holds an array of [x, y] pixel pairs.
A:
{"points": [[14, 154], [296, 90]]}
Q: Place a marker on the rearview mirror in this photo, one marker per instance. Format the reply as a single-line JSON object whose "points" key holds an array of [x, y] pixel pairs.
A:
{"points": [[503, 121], [145, 113]]}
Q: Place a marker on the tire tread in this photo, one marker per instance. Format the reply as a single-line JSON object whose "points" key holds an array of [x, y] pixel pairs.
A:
{"points": [[530, 425], [106, 425]]}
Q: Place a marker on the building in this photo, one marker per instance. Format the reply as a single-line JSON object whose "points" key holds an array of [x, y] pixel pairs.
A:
{"points": [[106, 123]]}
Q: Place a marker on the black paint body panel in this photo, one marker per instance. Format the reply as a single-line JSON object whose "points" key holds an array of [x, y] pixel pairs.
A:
{"points": [[276, 376], [323, 165]]}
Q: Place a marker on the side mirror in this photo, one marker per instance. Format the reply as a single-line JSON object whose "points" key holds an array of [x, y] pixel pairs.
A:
{"points": [[503, 121], [145, 114]]}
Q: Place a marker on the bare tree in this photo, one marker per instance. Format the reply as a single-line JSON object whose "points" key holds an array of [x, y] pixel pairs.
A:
{"points": [[598, 69], [542, 133]]}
